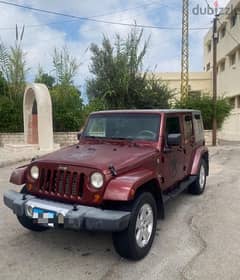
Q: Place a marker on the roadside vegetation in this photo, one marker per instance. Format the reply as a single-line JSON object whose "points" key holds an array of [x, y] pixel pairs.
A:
{"points": [[204, 103], [118, 81]]}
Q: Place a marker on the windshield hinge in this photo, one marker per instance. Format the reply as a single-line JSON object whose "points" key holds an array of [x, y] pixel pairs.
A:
{"points": [[112, 170]]}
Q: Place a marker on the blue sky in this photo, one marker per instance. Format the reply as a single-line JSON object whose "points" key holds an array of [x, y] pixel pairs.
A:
{"points": [[164, 52]]}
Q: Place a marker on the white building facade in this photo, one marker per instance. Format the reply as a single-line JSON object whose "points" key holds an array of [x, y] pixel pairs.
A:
{"points": [[228, 62]]}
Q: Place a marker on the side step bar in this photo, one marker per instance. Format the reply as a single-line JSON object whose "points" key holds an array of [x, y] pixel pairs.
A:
{"points": [[179, 189]]}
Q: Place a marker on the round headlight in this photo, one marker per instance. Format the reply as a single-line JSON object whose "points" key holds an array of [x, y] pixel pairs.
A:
{"points": [[34, 171], [97, 180]]}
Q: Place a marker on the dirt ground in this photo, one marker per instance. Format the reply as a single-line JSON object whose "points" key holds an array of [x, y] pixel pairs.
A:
{"points": [[199, 239]]}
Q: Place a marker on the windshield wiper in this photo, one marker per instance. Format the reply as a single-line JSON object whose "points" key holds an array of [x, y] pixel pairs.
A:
{"points": [[93, 137], [121, 138]]}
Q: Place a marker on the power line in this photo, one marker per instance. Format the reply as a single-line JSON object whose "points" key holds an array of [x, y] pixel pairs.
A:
{"points": [[95, 16], [97, 20]]}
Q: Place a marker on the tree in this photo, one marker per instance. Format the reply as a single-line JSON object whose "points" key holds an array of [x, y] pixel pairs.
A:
{"points": [[156, 94], [65, 66], [67, 108], [13, 68], [118, 76], [66, 98], [13, 71], [44, 78], [3, 86], [205, 105]]}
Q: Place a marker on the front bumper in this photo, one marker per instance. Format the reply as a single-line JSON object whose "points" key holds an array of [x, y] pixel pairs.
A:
{"points": [[70, 217]]}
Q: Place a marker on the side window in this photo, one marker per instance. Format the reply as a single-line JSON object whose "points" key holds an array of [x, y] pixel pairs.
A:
{"points": [[188, 127], [198, 127], [173, 125]]}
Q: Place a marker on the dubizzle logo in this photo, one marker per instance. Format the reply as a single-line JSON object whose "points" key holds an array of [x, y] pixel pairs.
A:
{"points": [[214, 9], [216, 4]]}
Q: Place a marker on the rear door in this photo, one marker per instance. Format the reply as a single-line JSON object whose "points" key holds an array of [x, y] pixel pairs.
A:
{"points": [[189, 141]]}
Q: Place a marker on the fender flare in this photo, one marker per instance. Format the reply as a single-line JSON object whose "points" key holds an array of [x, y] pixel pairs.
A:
{"points": [[18, 176], [123, 188], [201, 152]]}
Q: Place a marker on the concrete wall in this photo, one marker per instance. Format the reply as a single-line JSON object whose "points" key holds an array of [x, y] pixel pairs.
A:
{"points": [[231, 128], [208, 137], [65, 138], [62, 138], [13, 138]]}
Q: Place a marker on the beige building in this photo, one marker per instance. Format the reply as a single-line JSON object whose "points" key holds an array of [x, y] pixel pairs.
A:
{"points": [[228, 59], [199, 82]]}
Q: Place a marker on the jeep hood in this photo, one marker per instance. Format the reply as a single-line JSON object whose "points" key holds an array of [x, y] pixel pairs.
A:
{"points": [[101, 156]]}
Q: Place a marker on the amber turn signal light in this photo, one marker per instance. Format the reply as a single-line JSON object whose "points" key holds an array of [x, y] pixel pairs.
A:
{"points": [[29, 187]]}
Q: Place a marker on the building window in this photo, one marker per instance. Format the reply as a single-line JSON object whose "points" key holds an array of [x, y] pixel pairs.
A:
{"points": [[222, 66], [195, 93], [208, 66], [233, 59], [232, 102], [209, 46], [233, 19], [223, 31]]}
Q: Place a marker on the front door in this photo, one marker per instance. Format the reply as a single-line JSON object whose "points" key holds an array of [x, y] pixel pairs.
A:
{"points": [[173, 155]]}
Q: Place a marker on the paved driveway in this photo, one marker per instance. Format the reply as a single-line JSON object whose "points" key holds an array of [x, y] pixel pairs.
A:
{"points": [[199, 239]]}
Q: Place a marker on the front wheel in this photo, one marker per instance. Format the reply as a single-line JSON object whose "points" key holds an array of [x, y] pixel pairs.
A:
{"points": [[136, 241], [198, 186]]}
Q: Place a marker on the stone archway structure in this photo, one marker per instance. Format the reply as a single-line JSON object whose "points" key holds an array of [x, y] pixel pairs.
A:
{"points": [[37, 110]]}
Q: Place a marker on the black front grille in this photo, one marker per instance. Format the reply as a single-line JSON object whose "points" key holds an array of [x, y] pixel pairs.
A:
{"points": [[61, 182]]}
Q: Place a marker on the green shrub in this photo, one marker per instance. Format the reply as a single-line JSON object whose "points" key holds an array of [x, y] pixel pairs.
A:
{"points": [[67, 108], [11, 114], [205, 105]]}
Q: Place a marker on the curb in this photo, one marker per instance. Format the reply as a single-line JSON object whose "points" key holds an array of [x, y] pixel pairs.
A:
{"points": [[13, 161]]}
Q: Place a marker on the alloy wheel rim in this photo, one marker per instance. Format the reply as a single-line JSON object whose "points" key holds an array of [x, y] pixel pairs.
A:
{"points": [[202, 177], [144, 225]]}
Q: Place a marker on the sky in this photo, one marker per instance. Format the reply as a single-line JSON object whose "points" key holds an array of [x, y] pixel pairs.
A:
{"points": [[44, 32]]}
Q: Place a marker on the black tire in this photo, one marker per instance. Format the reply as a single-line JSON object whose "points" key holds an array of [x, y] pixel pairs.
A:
{"points": [[198, 186], [27, 222], [125, 242]]}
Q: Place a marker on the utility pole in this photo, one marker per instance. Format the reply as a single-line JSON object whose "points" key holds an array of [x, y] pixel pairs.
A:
{"points": [[185, 49], [215, 41]]}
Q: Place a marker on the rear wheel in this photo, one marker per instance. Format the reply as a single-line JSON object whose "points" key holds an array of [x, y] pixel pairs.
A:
{"points": [[136, 241], [198, 186], [27, 222]]}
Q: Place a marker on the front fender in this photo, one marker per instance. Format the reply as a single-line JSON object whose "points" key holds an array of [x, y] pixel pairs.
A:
{"points": [[201, 152], [123, 188], [18, 176]]}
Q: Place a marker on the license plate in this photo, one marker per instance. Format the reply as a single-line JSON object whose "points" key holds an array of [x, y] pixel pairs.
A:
{"points": [[42, 216]]}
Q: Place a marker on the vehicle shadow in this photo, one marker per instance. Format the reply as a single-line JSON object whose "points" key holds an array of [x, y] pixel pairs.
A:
{"points": [[92, 244]]}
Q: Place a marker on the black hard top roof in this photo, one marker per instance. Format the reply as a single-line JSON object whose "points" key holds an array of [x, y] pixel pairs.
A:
{"points": [[149, 111]]}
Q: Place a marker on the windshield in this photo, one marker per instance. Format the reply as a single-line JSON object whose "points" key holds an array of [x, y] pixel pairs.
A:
{"points": [[123, 126]]}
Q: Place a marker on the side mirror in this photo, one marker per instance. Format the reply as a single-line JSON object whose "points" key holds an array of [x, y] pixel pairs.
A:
{"points": [[174, 139], [79, 135]]}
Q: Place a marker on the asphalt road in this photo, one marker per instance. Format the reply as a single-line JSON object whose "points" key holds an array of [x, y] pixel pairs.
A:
{"points": [[199, 239]]}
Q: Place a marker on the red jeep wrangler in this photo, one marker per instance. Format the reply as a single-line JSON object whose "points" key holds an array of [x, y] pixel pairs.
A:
{"points": [[126, 165]]}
